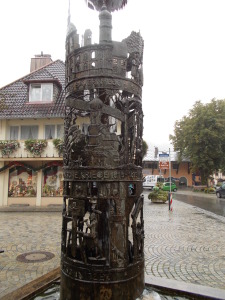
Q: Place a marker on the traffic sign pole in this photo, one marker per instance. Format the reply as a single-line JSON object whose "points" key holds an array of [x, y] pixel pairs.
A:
{"points": [[170, 197], [165, 164]]}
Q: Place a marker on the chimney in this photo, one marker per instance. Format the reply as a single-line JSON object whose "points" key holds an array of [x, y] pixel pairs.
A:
{"points": [[39, 61]]}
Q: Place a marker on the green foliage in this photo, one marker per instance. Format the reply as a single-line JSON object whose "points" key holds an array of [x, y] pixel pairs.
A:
{"points": [[200, 137], [155, 188], [58, 144], [144, 148], [158, 194], [199, 189], [7, 147], [35, 147], [210, 190], [159, 185]]}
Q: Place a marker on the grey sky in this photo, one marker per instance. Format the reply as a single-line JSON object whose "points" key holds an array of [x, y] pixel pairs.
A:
{"points": [[184, 55]]}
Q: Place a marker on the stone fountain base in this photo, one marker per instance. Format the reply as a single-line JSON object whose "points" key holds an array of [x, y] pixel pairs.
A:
{"points": [[166, 289], [123, 283]]}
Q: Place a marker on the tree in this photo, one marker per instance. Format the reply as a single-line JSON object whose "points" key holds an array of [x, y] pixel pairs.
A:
{"points": [[200, 136], [144, 148]]}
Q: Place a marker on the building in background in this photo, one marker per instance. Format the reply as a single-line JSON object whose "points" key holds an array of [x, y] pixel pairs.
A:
{"points": [[31, 130], [180, 172]]}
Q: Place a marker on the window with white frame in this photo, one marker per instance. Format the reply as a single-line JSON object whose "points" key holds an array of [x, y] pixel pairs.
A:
{"points": [[29, 132], [54, 131], [41, 92], [60, 131], [24, 132], [49, 132], [14, 133]]}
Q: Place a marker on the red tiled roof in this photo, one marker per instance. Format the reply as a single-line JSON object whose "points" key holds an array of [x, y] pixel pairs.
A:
{"points": [[14, 97]]}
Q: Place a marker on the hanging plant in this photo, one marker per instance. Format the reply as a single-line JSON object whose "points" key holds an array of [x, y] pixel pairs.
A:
{"points": [[58, 144], [35, 147], [8, 147]]}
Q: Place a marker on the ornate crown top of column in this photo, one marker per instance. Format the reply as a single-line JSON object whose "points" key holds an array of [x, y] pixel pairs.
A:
{"points": [[111, 5]]}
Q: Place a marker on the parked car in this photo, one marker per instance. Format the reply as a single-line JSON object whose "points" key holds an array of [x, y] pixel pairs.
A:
{"points": [[150, 181], [173, 179], [166, 186], [220, 192]]}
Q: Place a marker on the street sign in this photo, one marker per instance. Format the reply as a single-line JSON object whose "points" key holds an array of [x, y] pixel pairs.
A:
{"points": [[164, 155], [164, 161], [164, 165]]}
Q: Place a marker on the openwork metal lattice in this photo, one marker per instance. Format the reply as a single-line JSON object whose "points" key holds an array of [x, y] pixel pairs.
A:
{"points": [[103, 226]]}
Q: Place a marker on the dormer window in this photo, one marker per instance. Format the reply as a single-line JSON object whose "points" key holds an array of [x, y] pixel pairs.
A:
{"points": [[41, 92]]}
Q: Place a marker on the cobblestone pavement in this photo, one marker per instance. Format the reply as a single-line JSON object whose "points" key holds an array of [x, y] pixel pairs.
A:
{"points": [[22, 232], [186, 245]]}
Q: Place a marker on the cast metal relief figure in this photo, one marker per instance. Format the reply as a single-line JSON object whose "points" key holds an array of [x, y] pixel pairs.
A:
{"points": [[94, 246], [103, 226], [139, 236]]}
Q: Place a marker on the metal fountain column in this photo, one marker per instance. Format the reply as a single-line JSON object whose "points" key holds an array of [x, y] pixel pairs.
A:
{"points": [[102, 253]]}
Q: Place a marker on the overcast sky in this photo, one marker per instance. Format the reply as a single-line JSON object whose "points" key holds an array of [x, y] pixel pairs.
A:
{"points": [[184, 55]]}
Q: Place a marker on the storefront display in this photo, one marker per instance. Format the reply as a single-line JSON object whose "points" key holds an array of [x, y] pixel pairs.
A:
{"points": [[22, 182], [52, 181]]}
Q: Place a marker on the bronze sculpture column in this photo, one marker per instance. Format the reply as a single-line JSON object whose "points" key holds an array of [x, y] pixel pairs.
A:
{"points": [[103, 227]]}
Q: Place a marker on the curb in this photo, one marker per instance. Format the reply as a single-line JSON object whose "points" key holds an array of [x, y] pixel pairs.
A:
{"points": [[194, 291]]}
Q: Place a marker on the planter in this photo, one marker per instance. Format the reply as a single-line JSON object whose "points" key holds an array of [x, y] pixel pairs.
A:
{"points": [[8, 147], [158, 196], [158, 201], [35, 147]]}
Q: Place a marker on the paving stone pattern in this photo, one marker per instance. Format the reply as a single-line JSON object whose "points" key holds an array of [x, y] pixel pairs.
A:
{"points": [[23, 232], [186, 245]]}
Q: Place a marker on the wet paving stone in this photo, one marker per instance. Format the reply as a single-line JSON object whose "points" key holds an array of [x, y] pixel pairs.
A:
{"points": [[186, 245]]}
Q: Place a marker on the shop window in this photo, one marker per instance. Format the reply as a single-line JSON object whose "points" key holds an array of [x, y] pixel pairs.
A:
{"points": [[29, 132], [22, 182], [52, 181]]}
